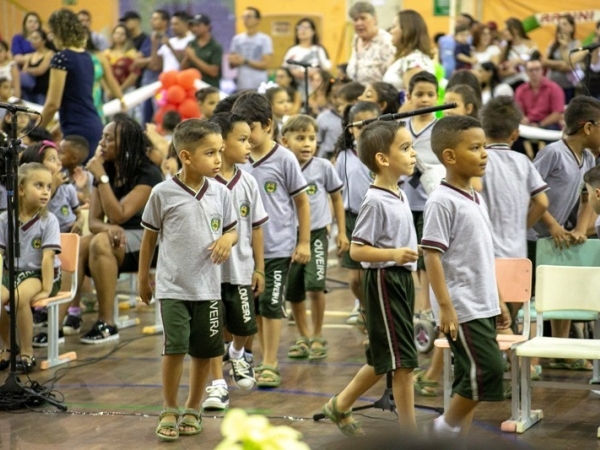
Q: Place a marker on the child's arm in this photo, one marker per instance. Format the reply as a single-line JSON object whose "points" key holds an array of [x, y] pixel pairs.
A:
{"points": [[465, 58], [47, 275], [221, 248], [301, 254], [435, 272], [77, 226], [559, 234], [537, 207], [368, 253], [147, 248], [258, 276], [341, 240], [584, 216]]}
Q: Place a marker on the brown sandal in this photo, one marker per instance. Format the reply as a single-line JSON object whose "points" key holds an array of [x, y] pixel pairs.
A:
{"points": [[352, 428]]}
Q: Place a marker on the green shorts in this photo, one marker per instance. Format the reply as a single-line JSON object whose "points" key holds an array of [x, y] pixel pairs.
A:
{"points": [[478, 365], [270, 303], [389, 295], [309, 277], [194, 327], [238, 309], [418, 221], [348, 262], [24, 275]]}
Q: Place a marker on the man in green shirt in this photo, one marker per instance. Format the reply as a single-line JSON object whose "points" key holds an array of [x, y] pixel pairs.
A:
{"points": [[204, 53]]}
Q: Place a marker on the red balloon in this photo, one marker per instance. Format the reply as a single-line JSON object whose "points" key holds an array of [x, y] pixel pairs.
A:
{"points": [[158, 116], [175, 94], [168, 79], [191, 93], [189, 109], [186, 78]]}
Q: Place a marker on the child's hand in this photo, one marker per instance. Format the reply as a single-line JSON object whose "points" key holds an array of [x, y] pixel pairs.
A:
{"points": [[40, 296], [258, 282], [301, 254], [80, 177], [77, 227], [343, 244], [504, 320], [221, 249], [405, 255], [561, 236], [449, 321], [145, 290], [577, 237], [59, 179]]}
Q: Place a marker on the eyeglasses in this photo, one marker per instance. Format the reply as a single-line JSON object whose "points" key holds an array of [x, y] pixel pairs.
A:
{"points": [[533, 69], [248, 16], [303, 27]]}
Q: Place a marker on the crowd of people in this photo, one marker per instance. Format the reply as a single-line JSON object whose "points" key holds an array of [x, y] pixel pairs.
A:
{"points": [[258, 181]]}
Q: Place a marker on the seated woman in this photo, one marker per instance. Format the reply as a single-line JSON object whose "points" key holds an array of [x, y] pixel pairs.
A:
{"points": [[124, 178]]}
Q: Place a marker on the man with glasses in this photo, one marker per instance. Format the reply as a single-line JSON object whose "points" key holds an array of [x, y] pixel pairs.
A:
{"points": [[251, 52]]}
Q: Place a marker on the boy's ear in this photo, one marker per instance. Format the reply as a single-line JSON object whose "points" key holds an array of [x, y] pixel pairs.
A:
{"points": [[449, 156], [597, 193], [381, 159], [184, 156], [469, 108], [269, 126], [284, 141], [514, 135]]}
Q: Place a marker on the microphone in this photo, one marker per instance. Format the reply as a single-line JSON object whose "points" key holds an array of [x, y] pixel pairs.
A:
{"points": [[396, 116], [590, 47], [291, 62], [12, 108]]}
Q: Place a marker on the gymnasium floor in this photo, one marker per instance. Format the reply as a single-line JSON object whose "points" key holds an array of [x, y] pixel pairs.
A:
{"points": [[113, 394]]}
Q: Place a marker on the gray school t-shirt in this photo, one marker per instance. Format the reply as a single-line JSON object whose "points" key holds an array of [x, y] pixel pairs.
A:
{"points": [[509, 184], [417, 197], [279, 179], [561, 170], [252, 48], [385, 221], [458, 225], [188, 223], [62, 204], [356, 178], [251, 214], [39, 234], [330, 129], [322, 180]]}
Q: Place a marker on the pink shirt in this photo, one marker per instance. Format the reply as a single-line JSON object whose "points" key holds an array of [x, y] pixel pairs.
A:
{"points": [[536, 106]]}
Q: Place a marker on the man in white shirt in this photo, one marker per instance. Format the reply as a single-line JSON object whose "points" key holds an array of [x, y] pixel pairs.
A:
{"points": [[172, 50]]}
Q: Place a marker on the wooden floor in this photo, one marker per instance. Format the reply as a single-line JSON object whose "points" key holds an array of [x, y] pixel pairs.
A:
{"points": [[113, 394]]}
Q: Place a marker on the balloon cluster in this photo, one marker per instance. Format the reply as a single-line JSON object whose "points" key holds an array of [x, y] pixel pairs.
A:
{"points": [[178, 93]]}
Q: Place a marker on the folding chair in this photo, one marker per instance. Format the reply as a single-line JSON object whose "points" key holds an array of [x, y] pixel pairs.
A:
{"points": [[69, 258], [557, 288], [514, 284]]}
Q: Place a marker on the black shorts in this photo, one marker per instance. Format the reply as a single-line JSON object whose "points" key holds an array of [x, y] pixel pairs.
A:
{"points": [[418, 221], [270, 303], [348, 262], [311, 276], [238, 308]]}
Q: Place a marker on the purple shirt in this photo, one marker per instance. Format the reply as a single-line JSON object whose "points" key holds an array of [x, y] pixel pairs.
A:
{"points": [[536, 106], [20, 45]]}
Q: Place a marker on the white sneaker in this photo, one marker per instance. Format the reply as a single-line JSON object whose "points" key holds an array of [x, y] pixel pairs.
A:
{"points": [[242, 373], [441, 429], [218, 398], [353, 317]]}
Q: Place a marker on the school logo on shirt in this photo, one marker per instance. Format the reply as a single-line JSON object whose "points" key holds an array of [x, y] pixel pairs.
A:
{"points": [[64, 210], [312, 189], [270, 187], [244, 209], [36, 243], [215, 224]]}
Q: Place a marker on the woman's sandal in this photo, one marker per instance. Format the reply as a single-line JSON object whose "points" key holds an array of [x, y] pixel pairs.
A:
{"points": [[269, 377], [424, 388], [351, 428], [300, 349], [195, 423], [318, 351], [168, 425], [28, 363]]}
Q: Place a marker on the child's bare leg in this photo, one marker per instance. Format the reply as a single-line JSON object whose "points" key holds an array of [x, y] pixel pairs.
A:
{"points": [[172, 368], [216, 368], [317, 311], [260, 334], [271, 329], [437, 365], [560, 328], [25, 292], [404, 398], [460, 410], [299, 313], [199, 369], [422, 301], [355, 277]]}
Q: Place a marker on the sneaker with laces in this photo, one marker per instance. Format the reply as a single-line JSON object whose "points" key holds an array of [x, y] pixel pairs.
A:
{"points": [[40, 340], [40, 318], [226, 357], [218, 398], [72, 325], [101, 333], [242, 374]]}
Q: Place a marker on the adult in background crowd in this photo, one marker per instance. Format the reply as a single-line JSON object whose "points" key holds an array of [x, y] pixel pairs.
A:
{"points": [[372, 48], [133, 22], [484, 49], [594, 81], [447, 44], [517, 50], [20, 45], [204, 52], [37, 65], [251, 52], [172, 50], [121, 55], [71, 81], [411, 38], [99, 40]]}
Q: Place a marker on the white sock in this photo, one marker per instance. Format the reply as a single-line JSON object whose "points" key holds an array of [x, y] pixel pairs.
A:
{"points": [[220, 382], [441, 425], [235, 354]]}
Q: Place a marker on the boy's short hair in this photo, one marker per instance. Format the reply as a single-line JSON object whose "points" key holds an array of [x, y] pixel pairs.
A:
{"points": [[227, 121], [299, 123], [80, 144], [469, 97], [190, 132], [42, 134], [376, 137], [225, 104], [580, 111], [500, 117], [205, 92], [461, 28], [447, 132], [422, 77], [254, 107], [351, 91], [592, 177], [465, 77], [170, 120]]}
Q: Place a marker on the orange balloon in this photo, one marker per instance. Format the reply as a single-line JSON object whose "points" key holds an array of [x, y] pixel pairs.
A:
{"points": [[176, 94], [191, 93], [189, 109], [186, 78], [168, 79]]}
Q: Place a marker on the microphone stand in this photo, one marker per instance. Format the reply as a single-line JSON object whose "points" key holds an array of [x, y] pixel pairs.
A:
{"points": [[13, 394], [306, 105]]}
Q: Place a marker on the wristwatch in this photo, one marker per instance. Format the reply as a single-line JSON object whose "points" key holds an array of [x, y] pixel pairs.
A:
{"points": [[104, 179]]}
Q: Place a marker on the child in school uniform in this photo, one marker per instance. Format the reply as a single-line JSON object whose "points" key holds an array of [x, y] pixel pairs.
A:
{"points": [[385, 242], [243, 273], [188, 278], [562, 165], [300, 136], [282, 187], [592, 184], [458, 246]]}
